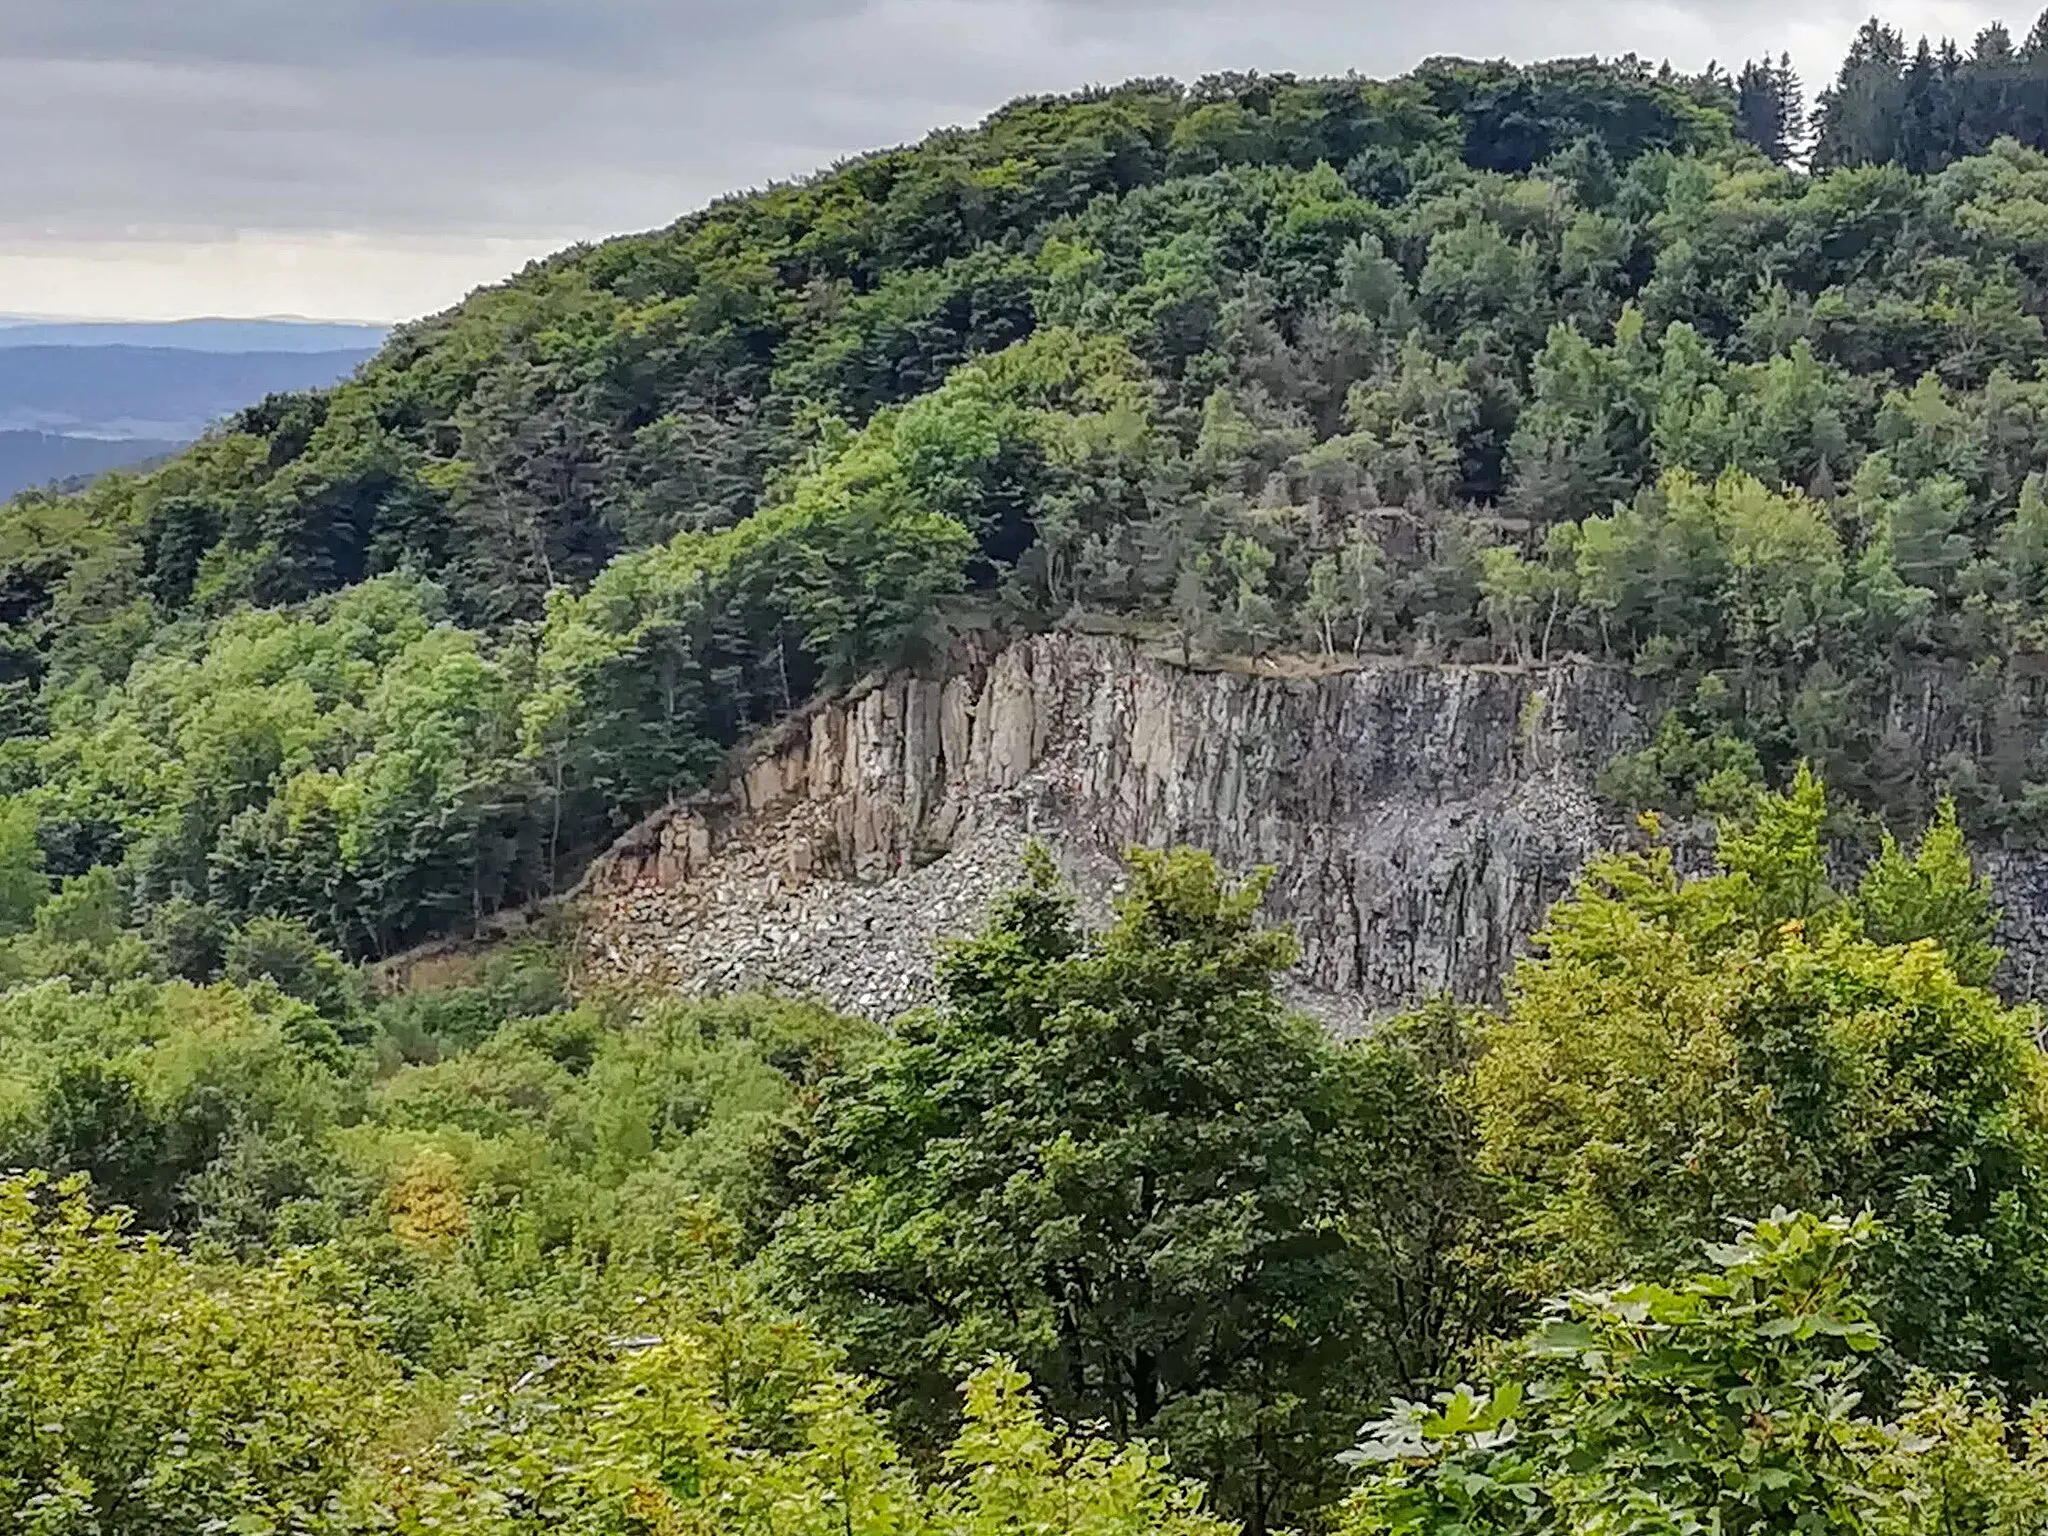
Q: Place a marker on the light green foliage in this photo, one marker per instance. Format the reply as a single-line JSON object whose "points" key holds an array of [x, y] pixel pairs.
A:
{"points": [[1936, 895], [158, 1091], [1682, 1052], [638, 674], [1689, 769], [141, 1393], [520, 981], [721, 1418], [1725, 1400], [1117, 1156], [578, 1128], [23, 885], [79, 931], [349, 765], [508, 1302], [535, 1257], [286, 954]]}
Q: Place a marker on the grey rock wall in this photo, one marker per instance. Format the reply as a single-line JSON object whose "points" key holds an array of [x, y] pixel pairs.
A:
{"points": [[1420, 819]]}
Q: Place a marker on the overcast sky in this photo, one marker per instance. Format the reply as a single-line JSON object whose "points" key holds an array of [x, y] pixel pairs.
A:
{"points": [[375, 159]]}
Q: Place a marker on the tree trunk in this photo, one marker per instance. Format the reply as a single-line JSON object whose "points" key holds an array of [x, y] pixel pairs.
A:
{"points": [[1145, 1387]]}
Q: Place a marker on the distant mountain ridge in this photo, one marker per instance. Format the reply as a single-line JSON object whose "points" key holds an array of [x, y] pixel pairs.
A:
{"points": [[198, 335], [81, 397], [32, 459], [163, 393]]}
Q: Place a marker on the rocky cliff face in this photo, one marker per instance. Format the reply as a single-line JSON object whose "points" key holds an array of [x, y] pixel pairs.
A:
{"points": [[1420, 819]]}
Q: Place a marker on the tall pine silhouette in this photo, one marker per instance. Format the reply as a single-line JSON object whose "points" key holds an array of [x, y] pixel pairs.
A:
{"points": [[1921, 108], [1770, 108]]}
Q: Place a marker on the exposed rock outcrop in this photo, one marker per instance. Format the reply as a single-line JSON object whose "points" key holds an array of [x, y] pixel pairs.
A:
{"points": [[1420, 819]]}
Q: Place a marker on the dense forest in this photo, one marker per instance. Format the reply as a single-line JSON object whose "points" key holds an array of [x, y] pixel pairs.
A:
{"points": [[1733, 1216]]}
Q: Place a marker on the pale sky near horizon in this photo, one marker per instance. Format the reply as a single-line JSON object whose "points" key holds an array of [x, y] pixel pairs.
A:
{"points": [[376, 159]]}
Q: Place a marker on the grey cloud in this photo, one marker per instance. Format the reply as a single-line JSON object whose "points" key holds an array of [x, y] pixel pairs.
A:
{"points": [[612, 35], [571, 117]]}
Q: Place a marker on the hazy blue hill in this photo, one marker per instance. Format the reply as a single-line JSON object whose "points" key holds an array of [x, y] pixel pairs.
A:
{"points": [[204, 335], [149, 392], [78, 398], [30, 459]]}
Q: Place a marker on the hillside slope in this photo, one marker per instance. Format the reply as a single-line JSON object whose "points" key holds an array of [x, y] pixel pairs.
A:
{"points": [[1484, 365]]}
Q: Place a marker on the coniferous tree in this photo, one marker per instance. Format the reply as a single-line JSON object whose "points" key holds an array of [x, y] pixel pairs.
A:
{"points": [[2036, 46], [1922, 111], [1792, 98], [2030, 88], [1988, 97], [1858, 117], [1770, 110], [1921, 137]]}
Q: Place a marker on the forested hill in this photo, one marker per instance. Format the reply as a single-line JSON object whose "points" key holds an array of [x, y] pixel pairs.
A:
{"points": [[1485, 362]]}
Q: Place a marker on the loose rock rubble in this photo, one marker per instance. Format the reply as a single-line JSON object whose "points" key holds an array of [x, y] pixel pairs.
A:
{"points": [[864, 948], [756, 911]]}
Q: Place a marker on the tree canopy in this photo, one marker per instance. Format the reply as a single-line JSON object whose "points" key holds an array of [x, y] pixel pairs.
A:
{"points": [[1117, 1157], [1681, 1053], [1107, 1239], [1726, 1400]]}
